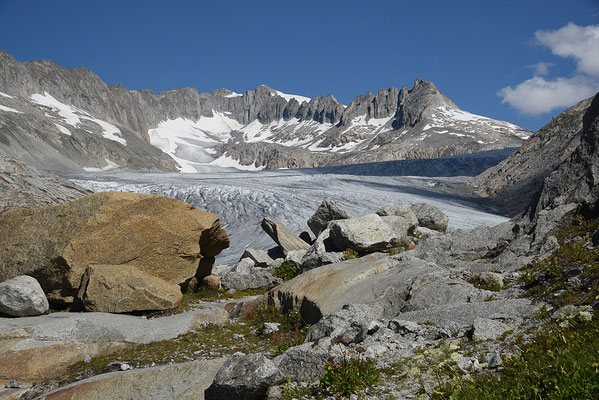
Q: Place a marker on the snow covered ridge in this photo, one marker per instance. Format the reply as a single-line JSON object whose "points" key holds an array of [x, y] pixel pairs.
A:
{"points": [[262, 128], [73, 116]]}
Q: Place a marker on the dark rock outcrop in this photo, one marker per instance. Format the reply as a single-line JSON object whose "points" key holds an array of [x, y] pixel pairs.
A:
{"points": [[514, 181]]}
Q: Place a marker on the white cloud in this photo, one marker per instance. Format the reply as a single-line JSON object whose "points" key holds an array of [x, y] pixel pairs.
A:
{"points": [[538, 95], [578, 42], [541, 69]]}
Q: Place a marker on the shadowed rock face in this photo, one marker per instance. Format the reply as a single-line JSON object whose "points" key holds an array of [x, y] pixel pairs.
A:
{"points": [[163, 237], [61, 118], [574, 185], [516, 179]]}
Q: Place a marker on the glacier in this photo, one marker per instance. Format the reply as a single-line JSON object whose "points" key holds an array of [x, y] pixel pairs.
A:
{"points": [[241, 199]]}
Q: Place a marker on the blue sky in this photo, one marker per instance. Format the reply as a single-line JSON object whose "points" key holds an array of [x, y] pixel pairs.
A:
{"points": [[484, 55]]}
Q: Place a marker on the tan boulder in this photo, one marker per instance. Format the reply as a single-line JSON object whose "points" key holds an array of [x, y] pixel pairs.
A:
{"points": [[212, 282], [158, 235], [124, 288]]}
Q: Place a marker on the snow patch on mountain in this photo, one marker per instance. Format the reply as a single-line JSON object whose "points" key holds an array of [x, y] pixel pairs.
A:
{"points": [[444, 117], [8, 109], [73, 116], [62, 129], [110, 166], [6, 95], [288, 97], [229, 162]]}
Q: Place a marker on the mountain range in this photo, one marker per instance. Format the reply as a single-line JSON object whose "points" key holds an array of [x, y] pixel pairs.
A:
{"points": [[66, 119]]}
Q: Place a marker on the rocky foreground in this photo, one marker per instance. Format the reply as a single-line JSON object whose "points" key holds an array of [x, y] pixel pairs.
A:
{"points": [[391, 296]]}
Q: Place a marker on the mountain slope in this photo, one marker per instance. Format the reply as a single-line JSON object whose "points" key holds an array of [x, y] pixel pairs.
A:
{"points": [[23, 186], [516, 179], [69, 119]]}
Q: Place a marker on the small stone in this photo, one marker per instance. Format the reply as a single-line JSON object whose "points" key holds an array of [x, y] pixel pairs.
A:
{"points": [[294, 257], [494, 360], [211, 282], [13, 385], [469, 364], [22, 296], [491, 278], [424, 233], [269, 328], [275, 393]]}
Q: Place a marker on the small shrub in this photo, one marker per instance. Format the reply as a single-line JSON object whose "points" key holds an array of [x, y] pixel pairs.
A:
{"points": [[287, 271], [478, 283], [350, 254], [350, 376]]}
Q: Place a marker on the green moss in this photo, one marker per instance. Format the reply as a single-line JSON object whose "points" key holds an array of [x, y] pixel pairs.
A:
{"points": [[287, 271], [350, 254]]}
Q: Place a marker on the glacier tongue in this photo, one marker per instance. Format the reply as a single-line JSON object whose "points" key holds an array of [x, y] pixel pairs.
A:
{"points": [[242, 199]]}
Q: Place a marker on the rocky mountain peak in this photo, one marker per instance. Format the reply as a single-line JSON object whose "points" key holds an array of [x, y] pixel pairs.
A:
{"points": [[419, 101]]}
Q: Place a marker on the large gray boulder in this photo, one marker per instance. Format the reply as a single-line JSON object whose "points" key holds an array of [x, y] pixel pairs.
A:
{"points": [[244, 275], [303, 363], [323, 251], [283, 236], [430, 216], [260, 257], [365, 234], [400, 210], [374, 278], [244, 377], [22, 296], [399, 225], [328, 211], [349, 323]]}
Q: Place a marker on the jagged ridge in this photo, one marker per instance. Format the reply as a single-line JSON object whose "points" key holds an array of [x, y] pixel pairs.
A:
{"points": [[63, 118]]}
